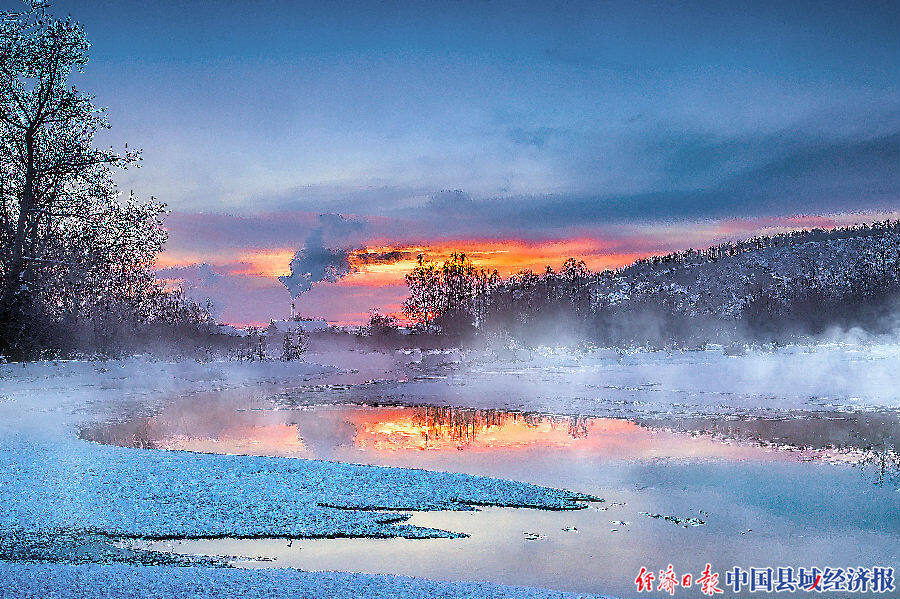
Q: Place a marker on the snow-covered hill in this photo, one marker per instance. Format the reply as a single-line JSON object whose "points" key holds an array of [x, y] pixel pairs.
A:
{"points": [[723, 279], [762, 289]]}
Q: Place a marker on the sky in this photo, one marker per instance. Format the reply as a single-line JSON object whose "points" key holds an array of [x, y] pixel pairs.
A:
{"points": [[519, 132]]}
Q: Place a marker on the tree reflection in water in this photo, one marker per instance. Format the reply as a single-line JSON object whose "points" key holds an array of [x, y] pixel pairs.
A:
{"points": [[395, 434]]}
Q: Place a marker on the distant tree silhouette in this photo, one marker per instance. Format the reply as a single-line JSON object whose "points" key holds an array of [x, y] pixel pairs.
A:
{"points": [[452, 296], [424, 302], [764, 288]]}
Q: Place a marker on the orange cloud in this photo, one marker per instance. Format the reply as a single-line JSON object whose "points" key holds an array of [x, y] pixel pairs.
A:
{"points": [[380, 267], [264, 263], [372, 268], [507, 257]]}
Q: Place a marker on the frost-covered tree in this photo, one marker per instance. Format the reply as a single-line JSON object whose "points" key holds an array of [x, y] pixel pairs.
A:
{"points": [[73, 256], [425, 301], [453, 295], [293, 345], [764, 288]]}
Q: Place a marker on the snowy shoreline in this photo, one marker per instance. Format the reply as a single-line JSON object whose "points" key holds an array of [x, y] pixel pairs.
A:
{"points": [[65, 500], [40, 581]]}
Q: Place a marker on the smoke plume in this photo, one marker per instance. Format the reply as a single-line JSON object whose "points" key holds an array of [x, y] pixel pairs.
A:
{"points": [[314, 262]]}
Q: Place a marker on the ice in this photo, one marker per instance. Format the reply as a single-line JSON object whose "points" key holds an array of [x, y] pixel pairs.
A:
{"points": [[158, 494], [602, 382], [69, 501]]}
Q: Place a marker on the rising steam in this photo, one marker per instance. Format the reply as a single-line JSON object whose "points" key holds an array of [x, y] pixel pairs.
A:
{"points": [[314, 262]]}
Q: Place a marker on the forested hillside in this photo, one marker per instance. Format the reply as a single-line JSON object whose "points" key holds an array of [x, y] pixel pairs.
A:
{"points": [[760, 289]]}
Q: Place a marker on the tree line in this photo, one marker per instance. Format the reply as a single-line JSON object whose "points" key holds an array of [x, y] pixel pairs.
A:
{"points": [[767, 288], [76, 259]]}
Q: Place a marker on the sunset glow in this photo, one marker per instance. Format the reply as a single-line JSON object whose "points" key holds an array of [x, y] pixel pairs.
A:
{"points": [[457, 299], [379, 266]]}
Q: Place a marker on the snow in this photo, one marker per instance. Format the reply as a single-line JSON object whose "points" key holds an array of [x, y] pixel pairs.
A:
{"points": [[147, 493], [841, 375], [91, 581], [71, 502], [307, 326], [437, 358], [67, 501], [718, 280], [231, 331]]}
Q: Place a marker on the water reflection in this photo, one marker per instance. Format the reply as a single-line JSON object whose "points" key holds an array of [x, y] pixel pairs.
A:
{"points": [[386, 434], [446, 428], [813, 430], [869, 439], [760, 498]]}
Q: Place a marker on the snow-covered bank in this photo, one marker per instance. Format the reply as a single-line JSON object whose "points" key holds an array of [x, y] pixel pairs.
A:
{"points": [[68, 501], [42, 581], [148, 493]]}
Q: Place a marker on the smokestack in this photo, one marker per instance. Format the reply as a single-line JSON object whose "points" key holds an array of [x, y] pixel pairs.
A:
{"points": [[292, 310]]}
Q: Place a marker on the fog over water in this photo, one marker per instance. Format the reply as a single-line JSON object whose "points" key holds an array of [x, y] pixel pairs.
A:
{"points": [[690, 468]]}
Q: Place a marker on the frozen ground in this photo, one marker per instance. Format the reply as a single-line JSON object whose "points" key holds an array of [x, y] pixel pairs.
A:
{"points": [[45, 581], [67, 501]]}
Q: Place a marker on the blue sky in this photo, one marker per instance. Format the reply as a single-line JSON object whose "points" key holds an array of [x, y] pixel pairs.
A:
{"points": [[241, 106], [527, 120]]}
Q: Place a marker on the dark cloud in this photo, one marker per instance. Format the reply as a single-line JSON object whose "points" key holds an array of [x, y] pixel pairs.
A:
{"points": [[698, 159], [832, 176], [358, 199], [801, 178], [853, 167], [314, 262], [192, 231], [388, 257], [449, 199]]}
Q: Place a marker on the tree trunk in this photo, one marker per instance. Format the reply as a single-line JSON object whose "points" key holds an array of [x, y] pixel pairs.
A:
{"points": [[13, 284]]}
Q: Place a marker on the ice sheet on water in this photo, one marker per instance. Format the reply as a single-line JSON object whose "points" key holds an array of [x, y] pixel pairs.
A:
{"points": [[66, 501], [845, 374]]}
